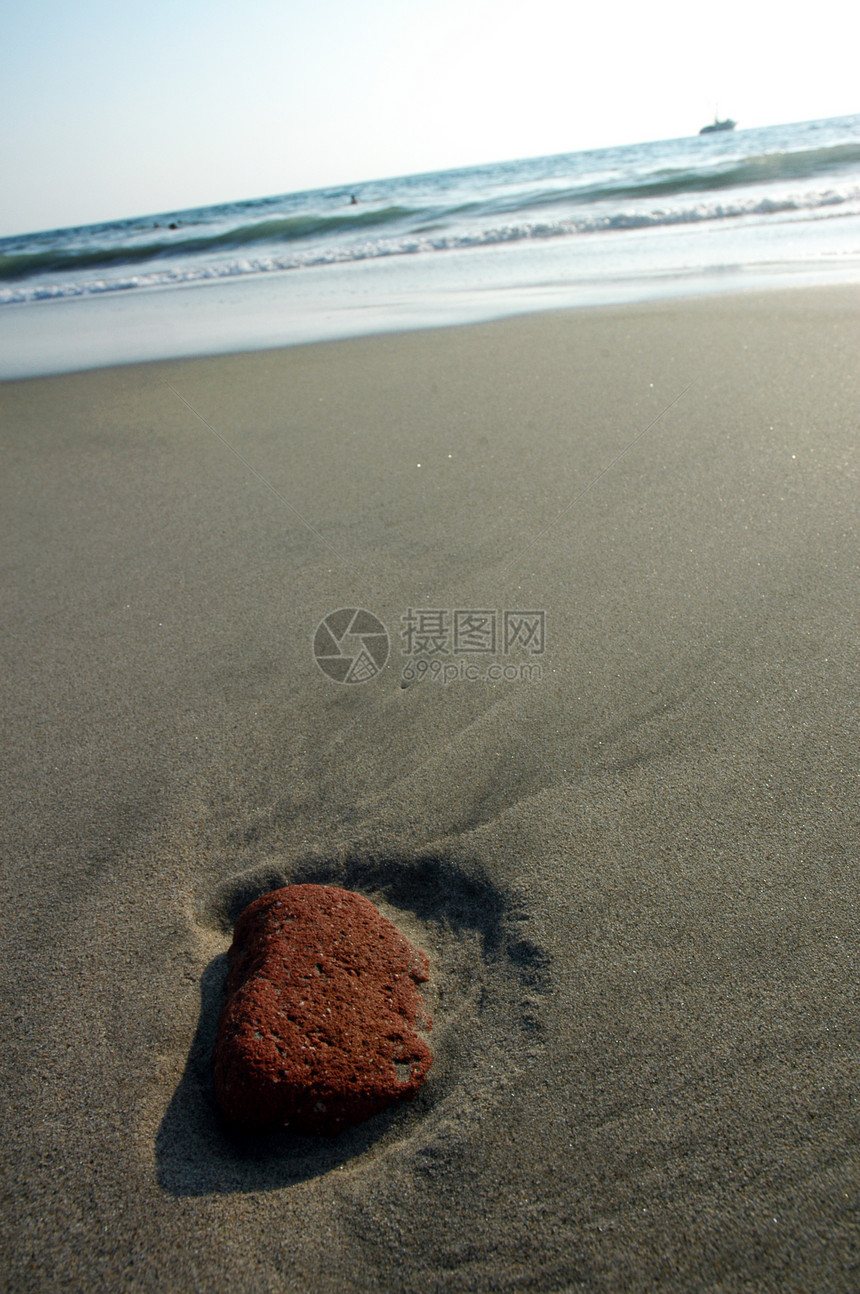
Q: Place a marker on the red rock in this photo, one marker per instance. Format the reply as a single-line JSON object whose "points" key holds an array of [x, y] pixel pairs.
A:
{"points": [[318, 1029]]}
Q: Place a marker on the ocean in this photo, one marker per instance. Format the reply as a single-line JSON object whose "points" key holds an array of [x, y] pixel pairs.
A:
{"points": [[746, 208]]}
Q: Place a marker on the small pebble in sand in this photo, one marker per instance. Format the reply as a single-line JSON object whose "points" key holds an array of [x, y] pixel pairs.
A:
{"points": [[319, 1026]]}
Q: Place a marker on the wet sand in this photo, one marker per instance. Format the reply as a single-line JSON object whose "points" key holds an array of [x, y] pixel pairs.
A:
{"points": [[636, 876]]}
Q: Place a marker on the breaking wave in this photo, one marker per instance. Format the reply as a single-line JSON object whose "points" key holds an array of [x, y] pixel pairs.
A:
{"points": [[806, 172]]}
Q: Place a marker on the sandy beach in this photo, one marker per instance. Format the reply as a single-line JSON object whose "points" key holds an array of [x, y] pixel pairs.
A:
{"points": [[634, 870]]}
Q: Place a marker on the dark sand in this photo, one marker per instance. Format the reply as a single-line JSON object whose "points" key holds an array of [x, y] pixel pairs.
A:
{"points": [[637, 879]]}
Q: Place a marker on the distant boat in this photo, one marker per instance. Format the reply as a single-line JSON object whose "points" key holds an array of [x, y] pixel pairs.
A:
{"points": [[716, 124]]}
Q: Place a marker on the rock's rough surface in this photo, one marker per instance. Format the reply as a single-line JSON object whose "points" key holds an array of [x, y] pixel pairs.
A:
{"points": [[318, 1029]]}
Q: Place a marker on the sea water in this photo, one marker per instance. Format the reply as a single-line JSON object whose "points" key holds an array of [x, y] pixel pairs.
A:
{"points": [[747, 208]]}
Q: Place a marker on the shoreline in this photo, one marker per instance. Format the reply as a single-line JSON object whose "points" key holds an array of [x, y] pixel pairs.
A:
{"points": [[635, 878], [337, 302]]}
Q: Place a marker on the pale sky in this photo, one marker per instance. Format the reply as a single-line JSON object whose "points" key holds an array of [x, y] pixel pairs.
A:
{"points": [[110, 109]]}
